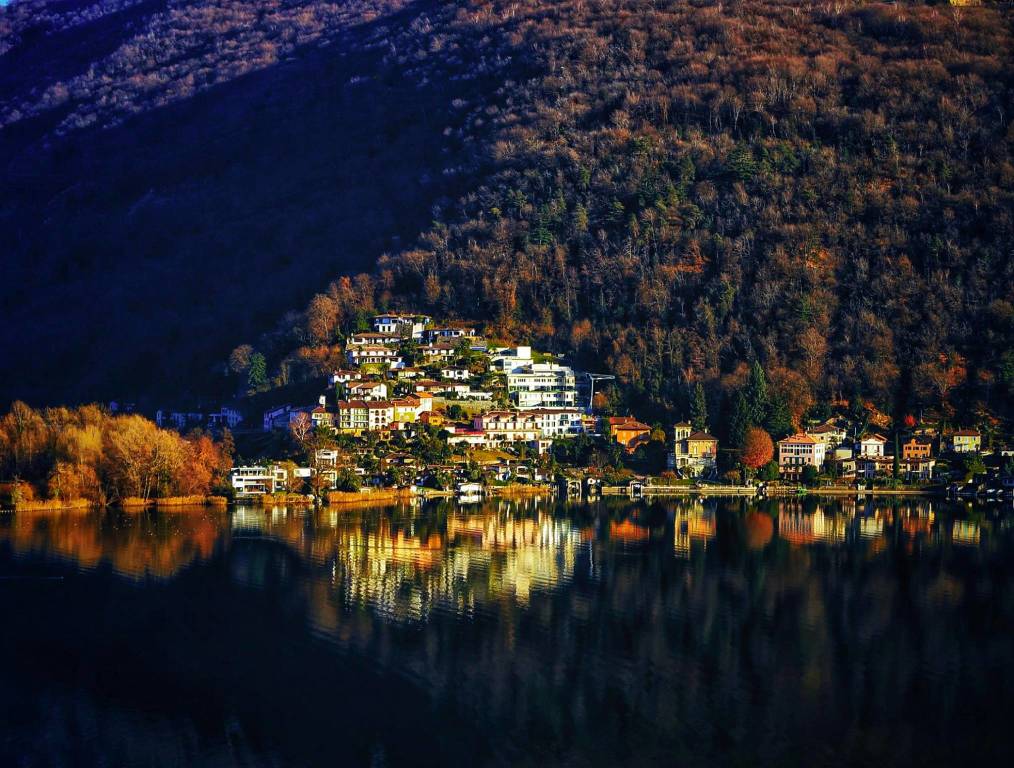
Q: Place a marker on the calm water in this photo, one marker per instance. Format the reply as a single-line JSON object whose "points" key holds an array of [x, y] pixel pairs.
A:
{"points": [[675, 633]]}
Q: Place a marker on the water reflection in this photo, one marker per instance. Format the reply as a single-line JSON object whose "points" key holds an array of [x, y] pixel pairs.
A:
{"points": [[689, 631], [135, 546]]}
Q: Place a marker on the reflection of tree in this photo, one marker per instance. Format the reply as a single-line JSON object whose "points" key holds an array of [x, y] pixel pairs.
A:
{"points": [[137, 546]]}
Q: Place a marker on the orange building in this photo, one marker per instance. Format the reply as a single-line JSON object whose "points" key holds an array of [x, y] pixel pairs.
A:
{"points": [[629, 432], [917, 448]]}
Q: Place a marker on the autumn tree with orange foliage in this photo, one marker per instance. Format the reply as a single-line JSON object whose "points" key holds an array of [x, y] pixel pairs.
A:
{"points": [[758, 449]]}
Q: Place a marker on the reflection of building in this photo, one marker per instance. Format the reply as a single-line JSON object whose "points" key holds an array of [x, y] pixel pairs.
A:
{"points": [[693, 526], [802, 528], [628, 532], [965, 532], [871, 527]]}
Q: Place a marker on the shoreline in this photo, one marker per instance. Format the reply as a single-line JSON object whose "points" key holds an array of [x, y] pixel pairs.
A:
{"points": [[125, 505]]}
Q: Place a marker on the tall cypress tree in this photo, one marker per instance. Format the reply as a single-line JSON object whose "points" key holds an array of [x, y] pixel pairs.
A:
{"points": [[757, 394], [779, 417], [740, 420], [699, 408]]}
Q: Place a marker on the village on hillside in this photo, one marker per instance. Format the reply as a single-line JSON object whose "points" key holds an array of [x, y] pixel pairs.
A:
{"points": [[432, 405]]}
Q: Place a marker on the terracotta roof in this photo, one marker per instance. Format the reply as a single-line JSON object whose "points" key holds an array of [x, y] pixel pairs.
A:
{"points": [[876, 438], [702, 436], [682, 425], [633, 425], [801, 438], [824, 428], [967, 433]]}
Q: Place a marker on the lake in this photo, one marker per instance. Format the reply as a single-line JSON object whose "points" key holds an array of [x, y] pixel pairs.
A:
{"points": [[722, 632]]}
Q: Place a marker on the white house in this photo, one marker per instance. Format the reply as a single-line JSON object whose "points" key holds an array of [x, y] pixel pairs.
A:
{"points": [[508, 359], [373, 354], [438, 351], [256, 481], [799, 451], [448, 333], [367, 338], [367, 390], [457, 374], [558, 422], [401, 324], [452, 388], [871, 445], [473, 438], [829, 433], [538, 385], [508, 426], [345, 376]]}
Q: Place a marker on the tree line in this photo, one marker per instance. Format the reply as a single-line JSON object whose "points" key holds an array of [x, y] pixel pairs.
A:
{"points": [[88, 453]]}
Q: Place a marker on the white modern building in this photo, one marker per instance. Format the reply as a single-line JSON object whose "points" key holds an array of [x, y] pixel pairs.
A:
{"points": [[542, 385], [401, 324], [256, 481], [509, 359]]}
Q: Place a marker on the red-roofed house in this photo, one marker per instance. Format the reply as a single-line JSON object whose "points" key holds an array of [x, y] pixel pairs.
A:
{"points": [[799, 451]]}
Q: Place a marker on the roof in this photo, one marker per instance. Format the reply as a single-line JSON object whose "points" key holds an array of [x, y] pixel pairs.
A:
{"points": [[633, 425], [800, 438], [967, 433], [874, 438], [622, 420], [683, 425], [702, 436], [824, 429]]}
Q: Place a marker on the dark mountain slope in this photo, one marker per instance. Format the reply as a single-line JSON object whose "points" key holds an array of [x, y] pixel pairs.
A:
{"points": [[142, 240]]}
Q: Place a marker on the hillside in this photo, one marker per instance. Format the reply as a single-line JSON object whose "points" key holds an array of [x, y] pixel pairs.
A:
{"points": [[668, 189]]}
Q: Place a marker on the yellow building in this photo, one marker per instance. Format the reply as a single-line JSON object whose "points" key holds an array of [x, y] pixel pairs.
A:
{"points": [[966, 441]]}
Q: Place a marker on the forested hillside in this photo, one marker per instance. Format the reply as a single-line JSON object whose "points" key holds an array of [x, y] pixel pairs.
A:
{"points": [[671, 190]]}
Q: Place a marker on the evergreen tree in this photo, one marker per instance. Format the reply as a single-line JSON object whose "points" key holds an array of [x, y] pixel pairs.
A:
{"points": [[699, 408], [740, 420], [779, 417], [257, 376], [757, 393]]}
